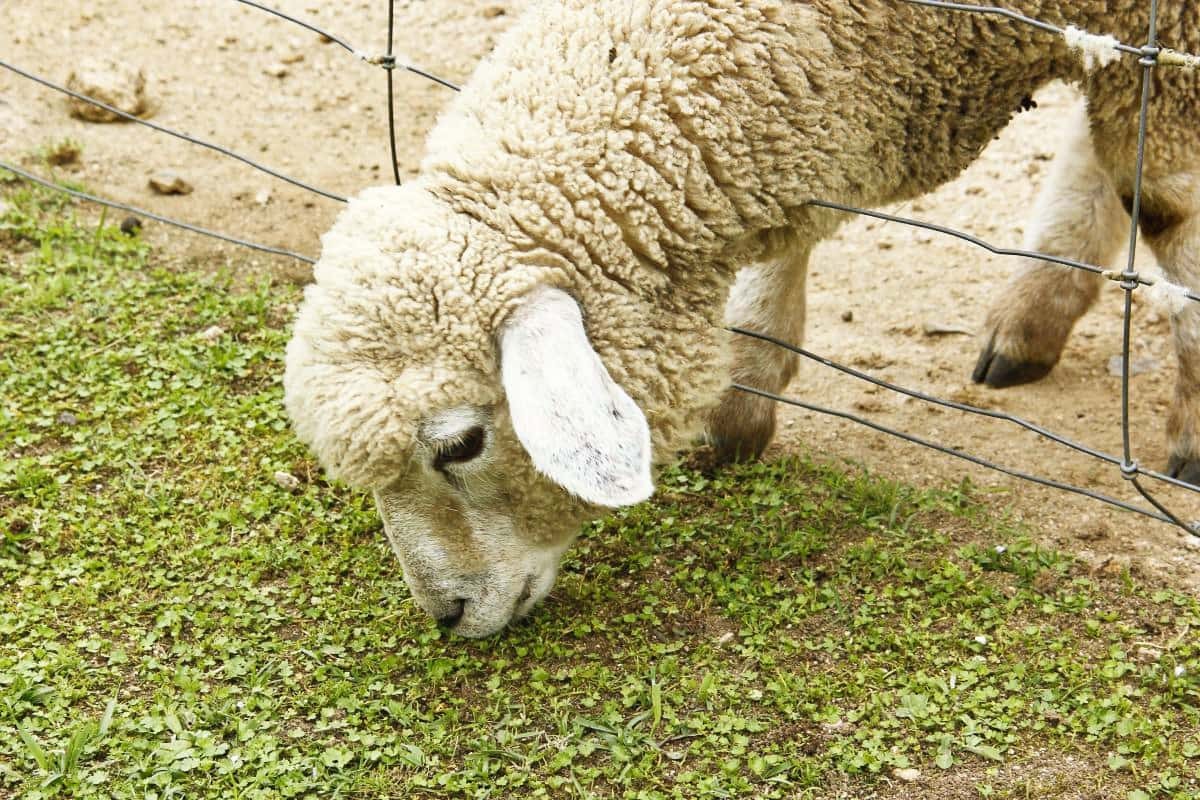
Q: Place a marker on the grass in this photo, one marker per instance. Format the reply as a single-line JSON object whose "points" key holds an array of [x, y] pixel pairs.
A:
{"points": [[174, 623]]}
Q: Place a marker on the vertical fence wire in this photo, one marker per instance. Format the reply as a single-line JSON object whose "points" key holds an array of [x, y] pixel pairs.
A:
{"points": [[389, 66]]}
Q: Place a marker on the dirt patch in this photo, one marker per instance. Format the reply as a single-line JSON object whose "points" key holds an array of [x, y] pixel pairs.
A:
{"points": [[270, 90]]}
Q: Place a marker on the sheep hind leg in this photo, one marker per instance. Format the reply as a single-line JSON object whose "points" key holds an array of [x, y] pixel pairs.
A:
{"points": [[1078, 216], [766, 298], [1178, 251]]}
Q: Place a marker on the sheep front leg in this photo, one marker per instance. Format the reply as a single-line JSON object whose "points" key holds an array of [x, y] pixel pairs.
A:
{"points": [[1078, 216], [766, 298]]}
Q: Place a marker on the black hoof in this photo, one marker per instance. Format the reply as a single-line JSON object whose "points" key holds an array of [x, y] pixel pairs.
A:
{"points": [[999, 371], [1185, 468]]}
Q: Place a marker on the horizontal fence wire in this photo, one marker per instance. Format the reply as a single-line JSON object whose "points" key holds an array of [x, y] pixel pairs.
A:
{"points": [[1162, 515], [1150, 56], [91, 198], [1111, 275], [908, 437], [1009, 14], [169, 131], [1163, 56], [387, 61], [964, 407]]}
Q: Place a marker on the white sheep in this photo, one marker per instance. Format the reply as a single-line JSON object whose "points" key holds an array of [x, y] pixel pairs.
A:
{"points": [[498, 348]]}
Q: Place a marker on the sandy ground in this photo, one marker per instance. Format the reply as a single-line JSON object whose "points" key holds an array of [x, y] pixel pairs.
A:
{"points": [[275, 92]]}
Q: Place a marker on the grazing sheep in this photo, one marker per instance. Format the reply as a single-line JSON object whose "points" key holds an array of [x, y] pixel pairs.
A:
{"points": [[497, 348]]}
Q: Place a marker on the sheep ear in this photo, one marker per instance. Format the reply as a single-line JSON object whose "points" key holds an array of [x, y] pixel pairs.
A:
{"points": [[580, 428]]}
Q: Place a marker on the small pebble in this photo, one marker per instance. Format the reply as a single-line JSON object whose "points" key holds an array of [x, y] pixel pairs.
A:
{"points": [[211, 334], [1136, 367], [277, 70], [908, 775], [286, 480], [262, 197], [131, 225], [63, 154], [940, 329], [847, 316], [1148, 655], [119, 85], [169, 182], [67, 418]]}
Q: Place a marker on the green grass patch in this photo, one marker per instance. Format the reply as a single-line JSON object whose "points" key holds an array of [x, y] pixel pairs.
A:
{"points": [[175, 624]]}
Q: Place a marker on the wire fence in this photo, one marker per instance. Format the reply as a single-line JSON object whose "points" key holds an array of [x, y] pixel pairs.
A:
{"points": [[1095, 47]]}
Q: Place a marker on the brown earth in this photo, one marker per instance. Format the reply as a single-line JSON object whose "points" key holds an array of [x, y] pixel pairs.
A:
{"points": [[263, 87]]}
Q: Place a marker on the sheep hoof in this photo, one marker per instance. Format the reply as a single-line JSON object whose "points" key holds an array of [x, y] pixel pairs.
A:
{"points": [[741, 427], [1185, 468], [999, 371], [729, 451]]}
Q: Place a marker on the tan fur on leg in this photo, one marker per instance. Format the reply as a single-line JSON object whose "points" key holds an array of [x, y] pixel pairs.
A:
{"points": [[1079, 216], [766, 298]]}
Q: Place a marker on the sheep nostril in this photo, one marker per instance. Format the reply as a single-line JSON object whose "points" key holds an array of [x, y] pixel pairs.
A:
{"points": [[450, 620]]}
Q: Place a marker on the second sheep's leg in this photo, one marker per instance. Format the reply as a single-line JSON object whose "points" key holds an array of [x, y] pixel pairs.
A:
{"points": [[1078, 216], [766, 298], [1178, 248]]}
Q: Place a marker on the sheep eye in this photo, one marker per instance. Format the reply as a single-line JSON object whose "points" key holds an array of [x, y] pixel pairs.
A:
{"points": [[465, 448]]}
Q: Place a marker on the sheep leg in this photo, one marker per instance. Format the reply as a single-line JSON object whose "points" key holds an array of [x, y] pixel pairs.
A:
{"points": [[766, 298], [1078, 216], [1178, 251]]}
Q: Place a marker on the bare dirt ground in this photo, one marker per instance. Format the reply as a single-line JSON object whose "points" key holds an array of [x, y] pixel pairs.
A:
{"points": [[259, 85]]}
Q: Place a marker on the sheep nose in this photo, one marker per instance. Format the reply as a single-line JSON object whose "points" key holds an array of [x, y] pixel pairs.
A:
{"points": [[450, 620]]}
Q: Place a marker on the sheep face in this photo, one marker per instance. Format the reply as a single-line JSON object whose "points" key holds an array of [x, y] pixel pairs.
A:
{"points": [[494, 495], [478, 532]]}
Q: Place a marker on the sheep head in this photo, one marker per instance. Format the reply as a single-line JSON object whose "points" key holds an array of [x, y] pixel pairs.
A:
{"points": [[454, 378]]}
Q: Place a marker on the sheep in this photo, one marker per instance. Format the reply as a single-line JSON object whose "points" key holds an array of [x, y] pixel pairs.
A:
{"points": [[501, 348]]}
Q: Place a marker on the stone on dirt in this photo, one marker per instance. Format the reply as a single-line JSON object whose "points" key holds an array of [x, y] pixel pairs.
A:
{"points": [[287, 481], [1136, 367], [119, 85], [169, 182]]}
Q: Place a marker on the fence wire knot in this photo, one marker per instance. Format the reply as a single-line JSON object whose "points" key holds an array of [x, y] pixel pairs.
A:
{"points": [[1128, 279], [1130, 470], [385, 60], [1150, 56]]}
